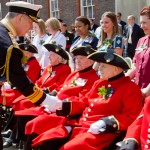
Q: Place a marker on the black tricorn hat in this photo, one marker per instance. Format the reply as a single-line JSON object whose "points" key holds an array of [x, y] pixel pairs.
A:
{"points": [[28, 47], [110, 57], [83, 50], [57, 49]]}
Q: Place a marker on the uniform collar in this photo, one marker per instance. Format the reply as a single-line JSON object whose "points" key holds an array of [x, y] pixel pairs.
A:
{"points": [[116, 77], [9, 26], [86, 69]]}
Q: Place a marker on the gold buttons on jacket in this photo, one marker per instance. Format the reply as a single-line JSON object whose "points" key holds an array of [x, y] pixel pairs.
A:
{"points": [[84, 119], [146, 146], [89, 110], [148, 141], [92, 105], [95, 100], [86, 115], [148, 130]]}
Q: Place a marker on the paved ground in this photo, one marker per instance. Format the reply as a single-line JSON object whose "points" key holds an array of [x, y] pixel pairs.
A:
{"points": [[10, 148]]}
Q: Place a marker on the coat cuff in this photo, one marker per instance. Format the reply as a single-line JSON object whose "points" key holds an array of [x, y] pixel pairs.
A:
{"points": [[66, 108], [129, 144], [112, 123]]}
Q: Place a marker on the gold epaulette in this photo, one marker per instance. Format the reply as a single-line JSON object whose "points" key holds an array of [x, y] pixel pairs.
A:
{"points": [[38, 93]]}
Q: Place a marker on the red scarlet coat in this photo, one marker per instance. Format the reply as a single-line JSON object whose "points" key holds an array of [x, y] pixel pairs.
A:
{"points": [[117, 112], [32, 69], [74, 88], [52, 78], [138, 134]]}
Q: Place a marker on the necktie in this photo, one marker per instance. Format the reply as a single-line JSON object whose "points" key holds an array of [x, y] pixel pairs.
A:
{"points": [[130, 33]]}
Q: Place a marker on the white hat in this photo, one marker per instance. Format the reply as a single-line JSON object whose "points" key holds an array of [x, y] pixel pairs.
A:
{"points": [[29, 9]]}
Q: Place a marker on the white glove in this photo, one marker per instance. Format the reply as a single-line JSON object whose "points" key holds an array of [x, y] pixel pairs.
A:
{"points": [[97, 127], [68, 128], [51, 103], [6, 86]]}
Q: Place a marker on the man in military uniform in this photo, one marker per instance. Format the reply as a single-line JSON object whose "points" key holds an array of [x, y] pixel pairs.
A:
{"points": [[17, 22]]}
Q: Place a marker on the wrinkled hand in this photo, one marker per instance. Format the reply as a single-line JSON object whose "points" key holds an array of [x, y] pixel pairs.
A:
{"points": [[97, 127], [51, 103]]}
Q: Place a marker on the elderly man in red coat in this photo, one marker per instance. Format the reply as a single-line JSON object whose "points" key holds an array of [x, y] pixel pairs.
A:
{"points": [[52, 77], [138, 133], [109, 108], [74, 88]]}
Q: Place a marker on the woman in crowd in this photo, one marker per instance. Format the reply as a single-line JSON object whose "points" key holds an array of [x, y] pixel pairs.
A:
{"points": [[82, 28], [110, 37], [141, 61], [56, 37], [100, 122], [84, 36], [40, 37]]}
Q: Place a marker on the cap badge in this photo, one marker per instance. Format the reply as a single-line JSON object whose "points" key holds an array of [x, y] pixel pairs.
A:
{"points": [[109, 56]]}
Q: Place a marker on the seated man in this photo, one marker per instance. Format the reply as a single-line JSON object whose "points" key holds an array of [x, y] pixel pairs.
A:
{"points": [[52, 77], [107, 109], [138, 133], [74, 88]]}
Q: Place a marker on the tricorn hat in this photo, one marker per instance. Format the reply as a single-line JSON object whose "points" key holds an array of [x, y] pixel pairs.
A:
{"points": [[28, 47], [31, 10], [57, 49], [83, 50], [110, 57]]}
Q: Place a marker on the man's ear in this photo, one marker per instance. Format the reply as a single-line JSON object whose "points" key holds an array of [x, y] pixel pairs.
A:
{"points": [[19, 18]]}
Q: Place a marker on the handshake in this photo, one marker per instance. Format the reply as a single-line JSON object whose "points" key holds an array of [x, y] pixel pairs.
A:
{"points": [[51, 103]]}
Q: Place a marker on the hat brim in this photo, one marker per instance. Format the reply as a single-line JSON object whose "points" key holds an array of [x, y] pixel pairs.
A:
{"points": [[82, 51], [51, 47], [28, 47], [118, 60]]}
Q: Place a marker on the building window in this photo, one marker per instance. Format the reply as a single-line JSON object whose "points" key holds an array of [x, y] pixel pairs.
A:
{"points": [[0, 11], [87, 8], [30, 1], [54, 9]]}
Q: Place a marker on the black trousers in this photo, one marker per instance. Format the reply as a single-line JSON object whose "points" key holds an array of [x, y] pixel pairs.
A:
{"points": [[21, 123], [130, 51], [54, 144]]}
